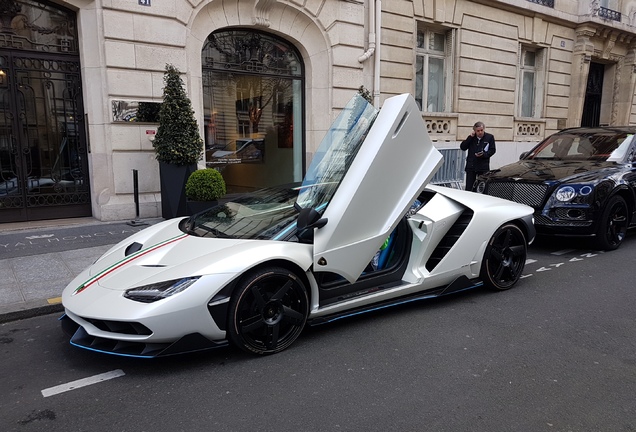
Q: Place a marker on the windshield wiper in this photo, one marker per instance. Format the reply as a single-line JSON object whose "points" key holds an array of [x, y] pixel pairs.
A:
{"points": [[209, 231]]}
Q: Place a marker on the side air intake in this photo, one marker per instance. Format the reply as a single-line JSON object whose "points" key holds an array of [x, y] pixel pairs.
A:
{"points": [[449, 240]]}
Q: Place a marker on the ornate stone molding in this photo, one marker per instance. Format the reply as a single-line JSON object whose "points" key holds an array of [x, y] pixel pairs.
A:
{"points": [[261, 12], [616, 90], [441, 127], [583, 43], [594, 7], [528, 129], [608, 45]]}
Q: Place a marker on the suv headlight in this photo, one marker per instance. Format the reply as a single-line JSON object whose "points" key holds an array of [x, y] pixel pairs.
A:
{"points": [[481, 187], [575, 194], [566, 193], [160, 290]]}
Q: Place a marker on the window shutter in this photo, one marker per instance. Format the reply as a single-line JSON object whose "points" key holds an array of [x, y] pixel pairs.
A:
{"points": [[540, 67], [449, 65]]}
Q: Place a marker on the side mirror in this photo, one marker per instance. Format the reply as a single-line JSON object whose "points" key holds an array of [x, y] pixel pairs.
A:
{"points": [[308, 219], [523, 155]]}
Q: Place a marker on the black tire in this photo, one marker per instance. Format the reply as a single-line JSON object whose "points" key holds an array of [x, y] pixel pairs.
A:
{"points": [[505, 258], [613, 224], [267, 311]]}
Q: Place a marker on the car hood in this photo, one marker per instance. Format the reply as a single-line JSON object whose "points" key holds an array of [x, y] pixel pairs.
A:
{"points": [[552, 170], [163, 252]]}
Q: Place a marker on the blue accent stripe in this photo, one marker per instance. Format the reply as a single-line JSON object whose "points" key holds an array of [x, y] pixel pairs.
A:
{"points": [[110, 352]]}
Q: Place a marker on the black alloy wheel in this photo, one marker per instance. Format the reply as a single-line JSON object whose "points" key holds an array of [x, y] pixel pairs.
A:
{"points": [[505, 258], [267, 311], [612, 228]]}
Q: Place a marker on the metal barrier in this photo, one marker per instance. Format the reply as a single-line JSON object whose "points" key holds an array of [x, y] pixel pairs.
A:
{"points": [[451, 174]]}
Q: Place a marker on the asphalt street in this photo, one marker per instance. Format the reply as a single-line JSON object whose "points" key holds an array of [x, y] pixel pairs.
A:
{"points": [[556, 353]]}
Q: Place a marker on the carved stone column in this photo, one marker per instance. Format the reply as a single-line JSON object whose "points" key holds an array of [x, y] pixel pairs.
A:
{"points": [[581, 58], [626, 85]]}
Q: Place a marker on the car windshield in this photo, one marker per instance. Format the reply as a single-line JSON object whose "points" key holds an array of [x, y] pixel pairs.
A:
{"points": [[269, 214], [336, 153], [263, 214], [599, 146]]}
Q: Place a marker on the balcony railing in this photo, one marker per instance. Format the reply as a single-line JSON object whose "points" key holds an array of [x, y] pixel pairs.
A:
{"points": [[609, 14], [548, 3]]}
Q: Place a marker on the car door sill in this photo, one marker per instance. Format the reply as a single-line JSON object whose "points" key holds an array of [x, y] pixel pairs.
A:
{"points": [[460, 284]]}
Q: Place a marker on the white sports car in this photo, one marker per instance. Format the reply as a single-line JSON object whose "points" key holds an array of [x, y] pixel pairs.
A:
{"points": [[361, 232]]}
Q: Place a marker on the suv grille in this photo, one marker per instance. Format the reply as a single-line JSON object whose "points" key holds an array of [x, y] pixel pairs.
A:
{"points": [[523, 193]]}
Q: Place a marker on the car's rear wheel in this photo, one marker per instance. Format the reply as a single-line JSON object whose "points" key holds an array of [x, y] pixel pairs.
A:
{"points": [[267, 311], [505, 258], [613, 225]]}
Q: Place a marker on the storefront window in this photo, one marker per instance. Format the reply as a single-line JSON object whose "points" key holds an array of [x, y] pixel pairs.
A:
{"points": [[252, 96]]}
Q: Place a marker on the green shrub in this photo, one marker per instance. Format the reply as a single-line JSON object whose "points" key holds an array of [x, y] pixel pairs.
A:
{"points": [[205, 185], [177, 141]]}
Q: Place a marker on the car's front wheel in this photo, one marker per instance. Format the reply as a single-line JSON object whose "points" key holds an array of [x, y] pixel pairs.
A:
{"points": [[505, 258], [613, 225], [267, 311]]}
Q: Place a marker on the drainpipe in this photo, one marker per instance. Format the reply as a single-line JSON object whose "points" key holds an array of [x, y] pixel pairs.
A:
{"points": [[369, 52], [376, 67], [375, 9]]}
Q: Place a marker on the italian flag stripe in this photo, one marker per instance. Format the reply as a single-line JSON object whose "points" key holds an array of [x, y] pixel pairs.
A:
{"points": [[125, 261]]}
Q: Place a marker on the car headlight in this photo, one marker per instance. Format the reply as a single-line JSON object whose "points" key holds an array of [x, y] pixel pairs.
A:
{"points": [[160, 290], [481, 187], [566, 193]]}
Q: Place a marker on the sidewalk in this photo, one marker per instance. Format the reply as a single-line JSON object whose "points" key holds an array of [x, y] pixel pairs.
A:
{"points": [[34, 269]]}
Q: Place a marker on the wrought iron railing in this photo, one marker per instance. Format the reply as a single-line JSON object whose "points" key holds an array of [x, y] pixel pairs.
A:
{"points": [[548, 3], [609, 14]]}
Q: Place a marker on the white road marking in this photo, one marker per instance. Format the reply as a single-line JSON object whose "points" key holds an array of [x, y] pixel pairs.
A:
{"points": [[563, 252], [581, 257], [82, 383], [33, 237]]}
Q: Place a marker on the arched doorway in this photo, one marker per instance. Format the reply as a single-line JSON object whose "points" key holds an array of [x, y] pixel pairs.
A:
{"points": [[43, 152], [253, 107]]}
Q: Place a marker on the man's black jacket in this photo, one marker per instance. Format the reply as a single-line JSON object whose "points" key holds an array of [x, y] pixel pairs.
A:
{"points": [[475, 145]]}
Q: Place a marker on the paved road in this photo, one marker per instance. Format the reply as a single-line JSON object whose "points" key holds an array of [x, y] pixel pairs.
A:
{"points": [[555, 353]]}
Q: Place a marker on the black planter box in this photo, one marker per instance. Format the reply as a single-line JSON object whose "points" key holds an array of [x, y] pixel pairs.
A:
{"points": [[173, 179]]}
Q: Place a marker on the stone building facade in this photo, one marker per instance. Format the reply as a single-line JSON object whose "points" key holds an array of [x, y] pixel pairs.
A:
{"points": [[269, 76]]}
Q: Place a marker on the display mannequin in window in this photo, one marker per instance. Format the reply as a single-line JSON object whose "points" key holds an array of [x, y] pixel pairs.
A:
{"points": [[481, 147]]}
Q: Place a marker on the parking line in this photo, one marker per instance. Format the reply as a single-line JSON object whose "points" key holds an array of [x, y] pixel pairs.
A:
{"points": [[82, 383], [563, 252]]}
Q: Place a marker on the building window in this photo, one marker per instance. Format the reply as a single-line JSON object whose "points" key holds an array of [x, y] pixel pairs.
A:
{"points": [[530, 87], [433, 69], [253, 108]]}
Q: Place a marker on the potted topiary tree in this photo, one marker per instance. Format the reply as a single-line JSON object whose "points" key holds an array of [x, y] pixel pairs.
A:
{"points": [[203, 189], [178, 145]]}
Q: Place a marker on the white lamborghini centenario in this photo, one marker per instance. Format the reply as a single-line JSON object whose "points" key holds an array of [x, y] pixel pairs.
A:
{"points": [[362, 231]]}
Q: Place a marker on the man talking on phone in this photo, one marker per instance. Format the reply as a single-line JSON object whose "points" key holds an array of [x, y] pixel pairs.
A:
{"points": [[480, 146]]}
